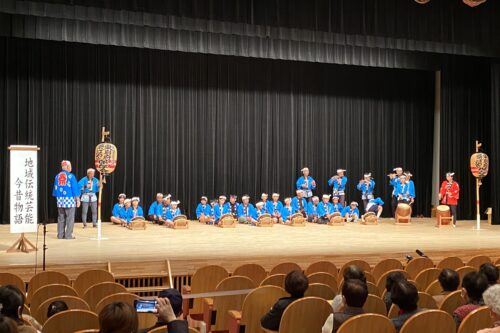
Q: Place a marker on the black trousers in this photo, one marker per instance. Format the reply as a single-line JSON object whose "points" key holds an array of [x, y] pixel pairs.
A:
{"points": [[394, 205], [453, 209]]}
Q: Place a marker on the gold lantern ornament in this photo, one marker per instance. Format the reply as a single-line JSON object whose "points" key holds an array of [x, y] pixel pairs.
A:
{"points": [[479, 165]]}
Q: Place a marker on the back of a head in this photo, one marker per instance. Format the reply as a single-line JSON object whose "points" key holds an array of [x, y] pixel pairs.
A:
{"points": [[355, 293], [56, 307], [449, 279], [7, 325], [491, 272], [392, 278], [175, 298], [296, 284], [492, 298], [405, 295], [353, 272], [475, 284], [118, 317], [11, 301]]}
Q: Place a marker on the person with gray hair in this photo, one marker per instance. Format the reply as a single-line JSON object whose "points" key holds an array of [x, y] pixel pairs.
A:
{"points": [[89, 187], [67, 194], [491, 298]]}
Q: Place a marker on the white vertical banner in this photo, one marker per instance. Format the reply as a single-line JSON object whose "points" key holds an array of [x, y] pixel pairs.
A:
{"points": [[23, 189]]}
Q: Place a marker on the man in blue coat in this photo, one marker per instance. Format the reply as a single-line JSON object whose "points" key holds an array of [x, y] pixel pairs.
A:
{"points": [[299, 203], [89, 187], [67, 194], [325, 209], [306, 183], [338, 182], [154, 207], [246, 211]]}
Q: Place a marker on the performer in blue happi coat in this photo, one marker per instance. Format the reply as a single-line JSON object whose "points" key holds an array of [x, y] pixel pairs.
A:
{"points": [[89, 187], [260, 209], [375, 206], [231, 207], [287, 211], [67, 194], [306, 183], [203, 211], [154, 207], [299, 203], [351, 212], [313, 210], [394, 181], [161, 210], [219, 208], [366, 187], [404, 191], [213, 202], [337, 207], [246, 211], [124, 212], [263, 198], [325, 209], [115, 214], [410, 181], [338, 182], [135, 210], [274, 208], [172, 212]]}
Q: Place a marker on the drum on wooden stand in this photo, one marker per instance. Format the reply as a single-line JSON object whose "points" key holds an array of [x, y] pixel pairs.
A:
{"points": [[265, 220], [369, 218], [403, 213], [443, 215], [137, 223], [297, 220], [227, 221], [180, 222], [336, 219]]}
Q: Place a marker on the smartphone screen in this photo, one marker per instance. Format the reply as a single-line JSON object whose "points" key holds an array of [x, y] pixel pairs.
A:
{"points": [[145, 306]]}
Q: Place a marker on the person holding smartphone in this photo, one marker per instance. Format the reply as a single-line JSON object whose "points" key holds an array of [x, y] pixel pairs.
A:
{"points": [[169, 312]]}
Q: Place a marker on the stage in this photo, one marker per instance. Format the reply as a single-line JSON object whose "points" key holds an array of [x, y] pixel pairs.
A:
{"points": [[145, 251]]}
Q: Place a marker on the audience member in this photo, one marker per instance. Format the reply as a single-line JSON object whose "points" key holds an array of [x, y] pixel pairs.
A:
{"points": [[296, 284], [491, 273], [350, 273], [167, 315], [118, 317], [7, 325], [449, 281], [175, 299], [354, 294], [56, 307], [389, 282], [11, 305], [492, 299], [405, 295], [473, 286]]}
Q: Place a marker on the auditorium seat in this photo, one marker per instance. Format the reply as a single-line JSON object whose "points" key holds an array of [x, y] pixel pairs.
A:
{"points": [[434, 288], [478, 260], [462, 271], [12, 279], [44, 278], [161, 329], [425, 301], [322, 267], [71, 321], [90, 330], [254, 272], [416, 265], [73, 303], [325, 278], [277, 280], [50, 291], [205, 279], [375, 304], [384, 266], [119, 297], [450, 262], [452, 302], [426, 277], [285, 268], [369, 277], [476, 320], [429, 321], [382, 280], [497, 262], [220, 305], [89, 278], [256, 304], [97, 292], [357, 262], [320, 290], [373, 289], [146, 320], [307, 314], [368, 322]]}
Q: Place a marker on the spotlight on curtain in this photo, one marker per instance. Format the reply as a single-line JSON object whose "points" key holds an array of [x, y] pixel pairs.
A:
{"points": [[473, 3]]}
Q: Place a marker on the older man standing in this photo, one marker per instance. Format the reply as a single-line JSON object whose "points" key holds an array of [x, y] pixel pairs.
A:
{"points": [[89, 187], [67, 193]]}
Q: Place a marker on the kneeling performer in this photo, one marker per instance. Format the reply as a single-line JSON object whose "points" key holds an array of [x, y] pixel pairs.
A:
{"points": [[375, 206], [172, 212], [246, 211], [115, 214], [351, 212]]}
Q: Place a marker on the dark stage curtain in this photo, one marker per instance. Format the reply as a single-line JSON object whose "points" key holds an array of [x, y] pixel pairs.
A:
{"points": [[494, 150], [192, 124], [465, 117]]}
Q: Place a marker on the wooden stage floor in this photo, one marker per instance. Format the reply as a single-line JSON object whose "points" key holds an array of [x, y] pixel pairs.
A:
{"points": [[200, 244]]}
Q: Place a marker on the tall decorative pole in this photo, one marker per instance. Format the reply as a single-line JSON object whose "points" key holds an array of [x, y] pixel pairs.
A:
{"points": [[479, 164], [106, 156]]}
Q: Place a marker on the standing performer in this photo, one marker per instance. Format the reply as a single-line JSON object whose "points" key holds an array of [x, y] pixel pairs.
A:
{"points": [[67, 194], [306, 183], [154, 206], [412, 184], [246, 211], [203, 211], [115, 214], [404, 191], [287, 211], [172, 212], [338, 182], [351, 212], [274, 207], [219, 208], [299, 203], [135, 210], [366, 187], [313, 210], [89, 186], [231, 207], [375, 206], [449, 195], [394, 181], [337, 207]]}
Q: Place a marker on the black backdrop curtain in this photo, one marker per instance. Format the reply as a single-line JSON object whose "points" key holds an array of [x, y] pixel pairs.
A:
{"points": [[494, 150], [191, 124]]}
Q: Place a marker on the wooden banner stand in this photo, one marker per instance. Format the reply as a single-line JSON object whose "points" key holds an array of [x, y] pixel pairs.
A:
{"points": [[22, 245]]}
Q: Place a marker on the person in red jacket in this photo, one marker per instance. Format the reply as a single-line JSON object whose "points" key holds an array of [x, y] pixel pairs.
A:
{"points": [[449, 195]]}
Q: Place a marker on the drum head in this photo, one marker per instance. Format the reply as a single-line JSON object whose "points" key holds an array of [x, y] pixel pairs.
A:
{"points": [[443, 208]]}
